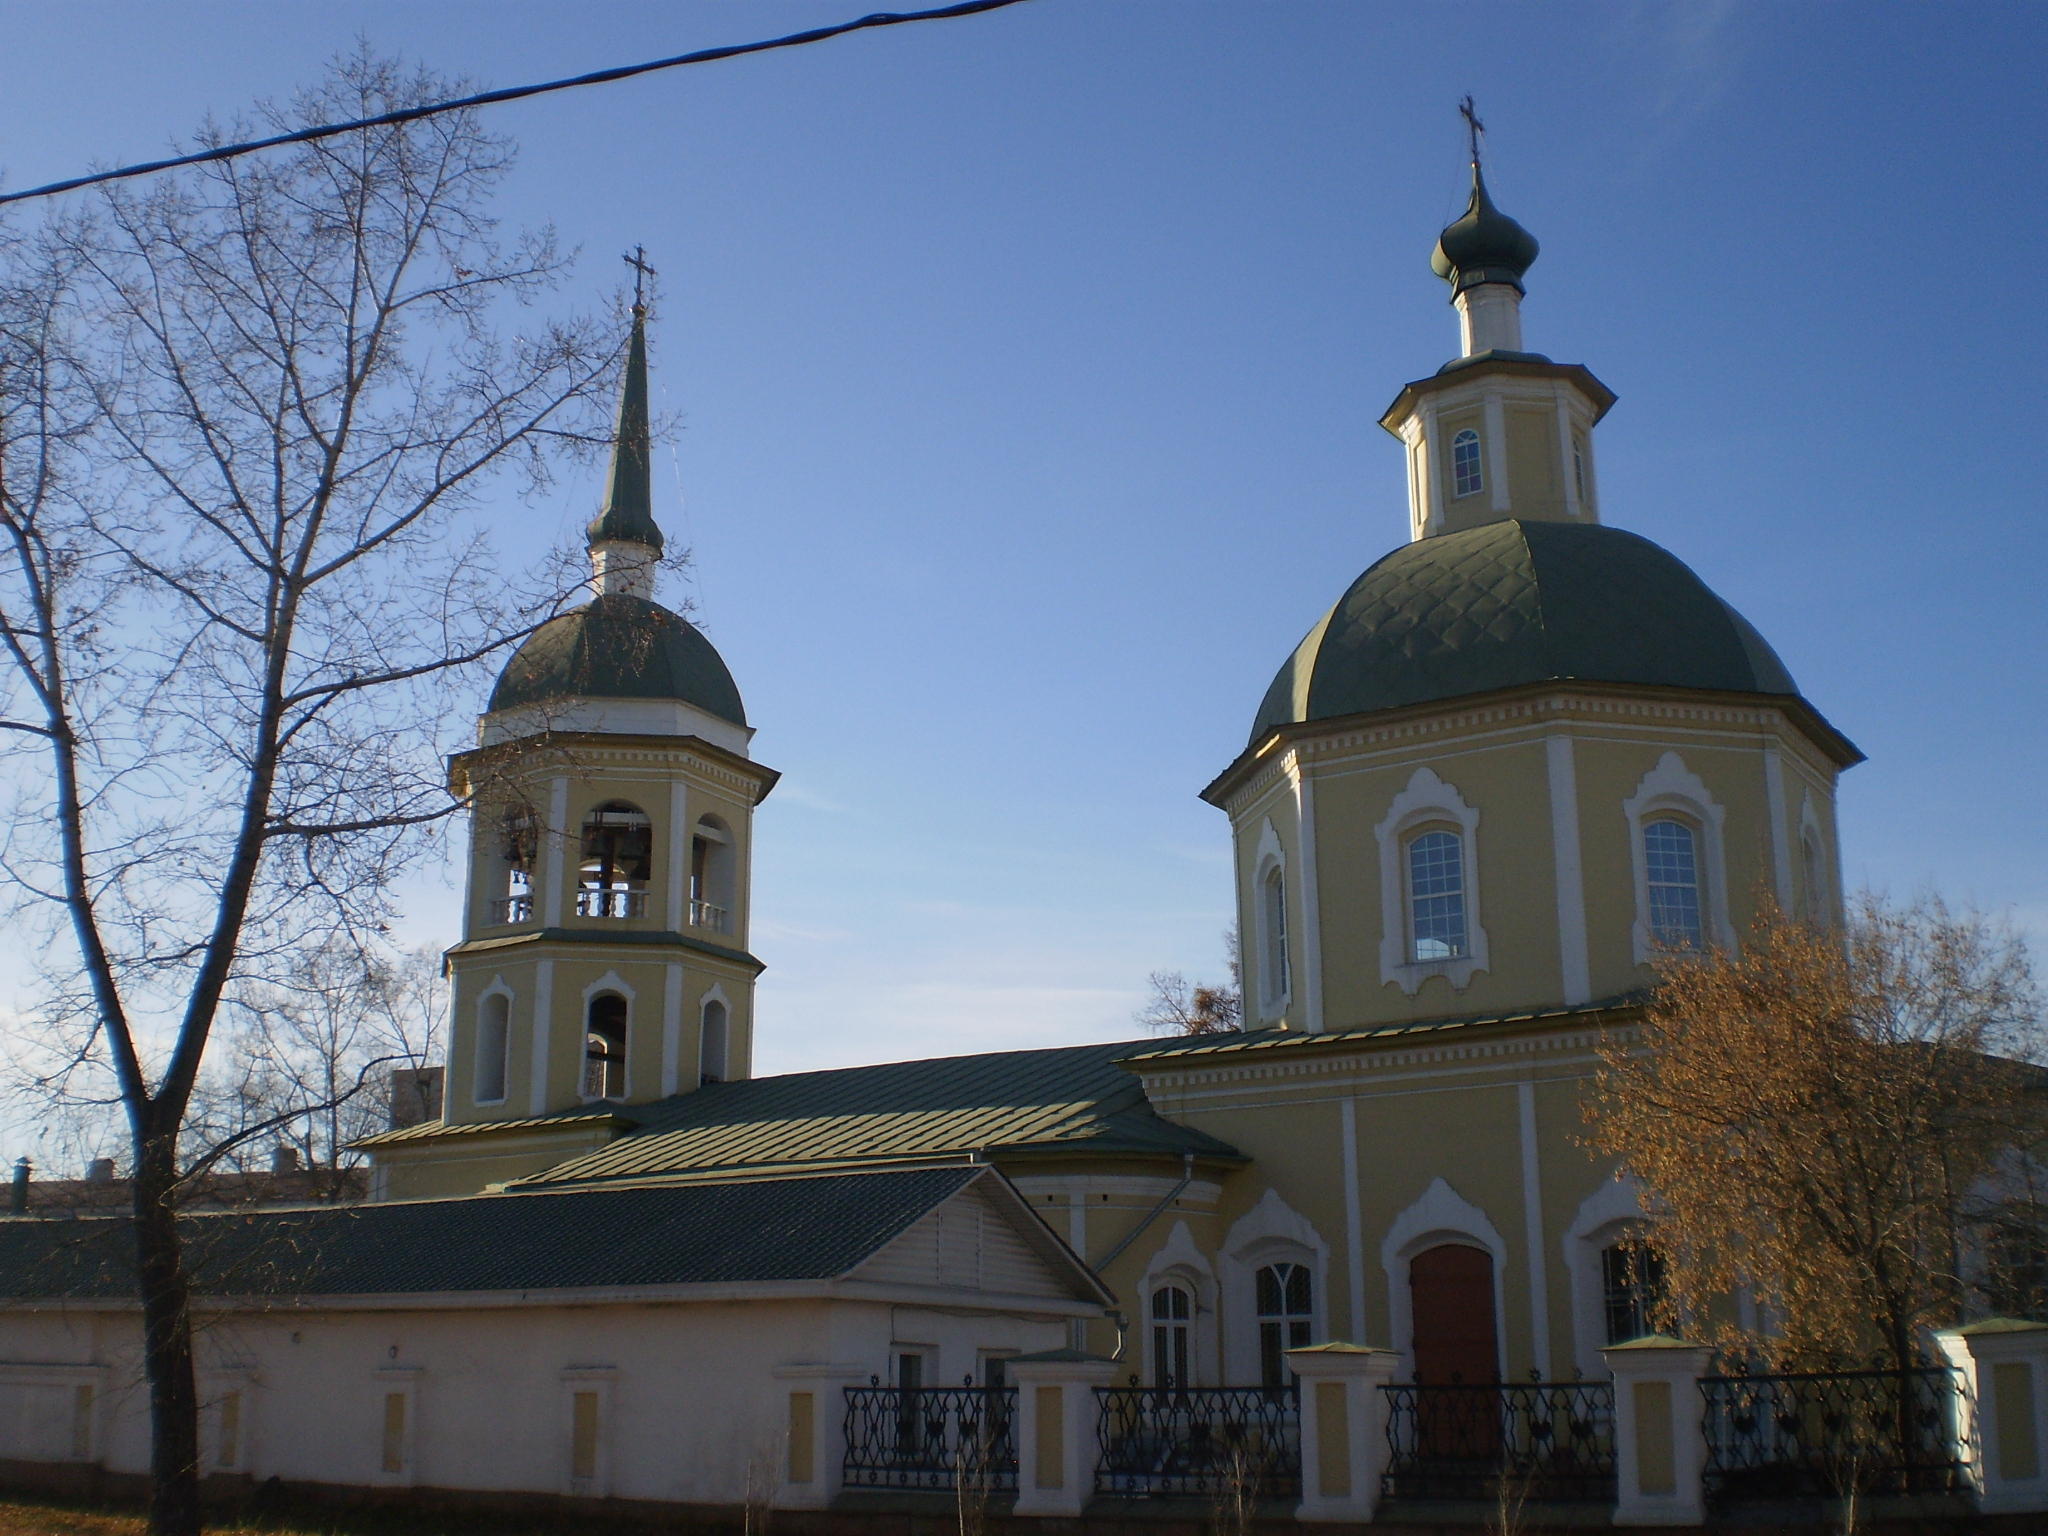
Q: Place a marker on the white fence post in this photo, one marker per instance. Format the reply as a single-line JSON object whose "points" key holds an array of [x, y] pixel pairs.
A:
{"points": [[1660, 1442], [2004, 1365], [1343, 1429], [813, 1432], [1056, 1416]]}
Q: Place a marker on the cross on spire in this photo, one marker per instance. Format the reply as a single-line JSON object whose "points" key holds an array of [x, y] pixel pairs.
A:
{"points": [[641, 271], [1473, 127]]}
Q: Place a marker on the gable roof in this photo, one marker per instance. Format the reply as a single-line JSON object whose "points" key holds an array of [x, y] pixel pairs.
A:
{"points": [[750, 1230], [1070, 1099]]}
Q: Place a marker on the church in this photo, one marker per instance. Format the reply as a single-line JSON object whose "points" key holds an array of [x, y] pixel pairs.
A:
{"points": [[1515, 758]]}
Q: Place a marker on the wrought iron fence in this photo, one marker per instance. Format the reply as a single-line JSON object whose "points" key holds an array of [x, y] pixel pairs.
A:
{"points": [[1199, 1440], [931, 1437], [1829, 1433], [1543, 1440]]}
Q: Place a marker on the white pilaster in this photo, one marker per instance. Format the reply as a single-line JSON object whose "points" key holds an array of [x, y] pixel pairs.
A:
{"points": [[672, 1031], [558, 837], [1343, 1429], [1354, 1220], [1781, 845], [1497, 450], [1532, 1232], [1311, 913], [1574, 970], [1660, 1440], [1056, 1430], [543, 1010], [813, 1438], [678, 872]]}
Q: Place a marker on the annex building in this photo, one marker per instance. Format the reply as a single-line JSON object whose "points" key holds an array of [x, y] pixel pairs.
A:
{"points": [[1515, 757]]}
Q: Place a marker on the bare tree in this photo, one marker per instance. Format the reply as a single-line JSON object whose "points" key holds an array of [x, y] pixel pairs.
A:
{"points": [[1177, 1007], [1820, 1119], [246, 420]]}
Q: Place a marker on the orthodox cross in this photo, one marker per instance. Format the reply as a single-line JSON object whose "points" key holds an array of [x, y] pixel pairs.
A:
{"points": [[1473, 127], [641, 271]]}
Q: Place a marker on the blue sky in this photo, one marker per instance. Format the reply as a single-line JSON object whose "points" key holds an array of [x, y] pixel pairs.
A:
{"points": [[1029, 369]]}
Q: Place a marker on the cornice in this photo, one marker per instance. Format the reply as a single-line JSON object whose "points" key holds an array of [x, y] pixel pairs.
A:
{"points": [[588, 751], [1288, 748], [595, 939]]}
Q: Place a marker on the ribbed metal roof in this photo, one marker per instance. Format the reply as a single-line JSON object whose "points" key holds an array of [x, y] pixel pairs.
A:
{"points": [[1074, 1098], [810, 1228]]}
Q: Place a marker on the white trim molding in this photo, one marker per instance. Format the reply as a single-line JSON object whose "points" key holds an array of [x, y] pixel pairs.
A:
{"points": [[1178, 1260], [1781, 847], [1440, 1215], [714, 994], [497, 988], [1820, 906], [1671, 786], [1271, 1232], [1308, 947], [599, 1381], [610, 981], [1574, 970], [671, 1029], [1270, 859], [1611, 1211], [1427, 799], [543, 1013]]}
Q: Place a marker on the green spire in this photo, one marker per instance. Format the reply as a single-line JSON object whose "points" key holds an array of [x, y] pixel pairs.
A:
{"points": [[628, 515]]}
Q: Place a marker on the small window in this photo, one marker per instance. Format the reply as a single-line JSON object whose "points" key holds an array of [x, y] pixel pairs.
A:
{"points": [[1286, 1318], [1465, 475], [618, 856], [1173, 1311], [1579, 473], [493, 1036], [1273, 936], [1436, 896], [1632, 1284], [392, 1462], [1671, 859], [711, 1048], [604, 1048]]}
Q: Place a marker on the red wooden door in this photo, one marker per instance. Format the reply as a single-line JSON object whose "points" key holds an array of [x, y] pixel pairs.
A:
{"points": [[1457, 1412], [1452, 1287]]}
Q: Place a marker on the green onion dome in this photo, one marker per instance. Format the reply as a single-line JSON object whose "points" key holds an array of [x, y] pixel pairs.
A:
{"points": [[1483, 246], [1513, 603], [619, 647]]}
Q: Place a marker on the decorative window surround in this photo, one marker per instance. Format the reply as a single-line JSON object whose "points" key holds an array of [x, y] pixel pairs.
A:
{"points": [[1426, 799], [1671, 786], [478, 1077], [396, 1457], [593, 1481], [612, 982], [1270, 1232], [1271, 862], [1815, 871], [1441, 1215], [715, 995], [1179, 1262], [1610, 1212]]}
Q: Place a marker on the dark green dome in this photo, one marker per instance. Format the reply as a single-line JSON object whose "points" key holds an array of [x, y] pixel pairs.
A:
{"points": [[1483, 246], [619, 647], [1513, 603]]}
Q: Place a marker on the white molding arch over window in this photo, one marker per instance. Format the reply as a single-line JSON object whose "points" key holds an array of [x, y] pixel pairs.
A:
{"points": [[1271, 1232], [1427, 804], [493, 1043], [1179, 1262], [611, 984], [1673, 788], [1440, 1215], [1612, 1211], [1817, 894], [1269, 918], [714, 1037]]}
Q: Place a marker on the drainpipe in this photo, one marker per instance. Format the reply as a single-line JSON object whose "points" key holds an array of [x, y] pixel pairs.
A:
{"points": [[1187, 1177]]}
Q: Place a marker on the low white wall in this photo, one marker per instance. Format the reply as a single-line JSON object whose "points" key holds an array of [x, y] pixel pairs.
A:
{"points": [[687, 1388]]}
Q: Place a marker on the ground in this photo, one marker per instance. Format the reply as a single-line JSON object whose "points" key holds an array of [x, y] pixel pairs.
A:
{"points": [[22, 1516]]}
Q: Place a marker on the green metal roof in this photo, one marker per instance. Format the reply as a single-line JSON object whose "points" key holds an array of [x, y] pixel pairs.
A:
{"points": [[813, 1228], [619, 647], [1518, 602], [1072, 1099], [628, 514], [1266, 1041]]}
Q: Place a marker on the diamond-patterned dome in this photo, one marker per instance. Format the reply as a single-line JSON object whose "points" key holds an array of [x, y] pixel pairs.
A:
{"points": [[619, 647], [1512, 603]]}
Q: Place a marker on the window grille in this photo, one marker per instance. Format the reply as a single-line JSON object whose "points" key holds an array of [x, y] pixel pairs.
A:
{"points": [[1671, 858], [1286, 1319], [1465, 475], [1436, 895]]}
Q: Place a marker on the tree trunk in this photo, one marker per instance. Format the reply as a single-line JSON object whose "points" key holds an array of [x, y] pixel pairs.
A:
{"points": [[167, 1342]]}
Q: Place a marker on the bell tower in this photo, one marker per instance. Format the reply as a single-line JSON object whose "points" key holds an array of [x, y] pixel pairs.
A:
{"points": [[604, 959]]}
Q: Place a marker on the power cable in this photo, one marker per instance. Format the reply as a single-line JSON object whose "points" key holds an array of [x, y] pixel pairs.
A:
{"points": [[511, 93]]}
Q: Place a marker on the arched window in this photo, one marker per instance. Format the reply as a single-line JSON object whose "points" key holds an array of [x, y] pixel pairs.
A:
{"points": [[1671, 860], [604, 1048], [1465, 475], [1632, 1285], [712, 865], [1436, 896], [1579, 474], [493, 1035], [711, 1045], [1286, 1318], [1273, 976], [1816, 904], [1173, 1311], [618, 854], [519, 837]]}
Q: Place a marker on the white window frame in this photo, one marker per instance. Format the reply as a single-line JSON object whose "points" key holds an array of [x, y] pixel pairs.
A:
{"points": [[1672, 788], [1613, 1211], [1179, 1262], [497, 988], [1478, 485], [1271, 1232], [1427, 801], [1270, 865], [714, 994], [610, 981]]}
